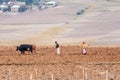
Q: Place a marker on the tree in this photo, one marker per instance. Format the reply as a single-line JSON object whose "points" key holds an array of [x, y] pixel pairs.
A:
{"points": [[35, 1], [29, 2], [1, 1]]}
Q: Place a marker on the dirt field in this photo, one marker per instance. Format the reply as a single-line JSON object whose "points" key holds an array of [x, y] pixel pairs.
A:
{"points": [[98, 25], [101, 63]]}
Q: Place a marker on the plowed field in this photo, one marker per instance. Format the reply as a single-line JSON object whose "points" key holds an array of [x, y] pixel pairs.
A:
{"points": [[101, 63]]}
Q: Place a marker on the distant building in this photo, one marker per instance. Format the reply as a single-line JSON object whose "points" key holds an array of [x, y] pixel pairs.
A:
{"points": [[11, 3], [3, 7], [18, 7], [51, 4], [15, 8], [21, 3]]}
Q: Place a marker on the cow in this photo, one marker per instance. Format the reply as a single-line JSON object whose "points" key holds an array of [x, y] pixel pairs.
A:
{"points": [[26, 47]]}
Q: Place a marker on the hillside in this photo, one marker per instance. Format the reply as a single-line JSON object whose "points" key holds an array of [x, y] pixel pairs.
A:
{"points": [[97, 25]]}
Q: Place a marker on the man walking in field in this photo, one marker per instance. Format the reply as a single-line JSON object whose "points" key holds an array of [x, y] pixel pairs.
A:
{"points": [[84, 52], [57, 47]]}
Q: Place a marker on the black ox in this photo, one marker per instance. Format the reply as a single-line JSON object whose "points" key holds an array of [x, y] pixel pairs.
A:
{"points": [[25, 47]]}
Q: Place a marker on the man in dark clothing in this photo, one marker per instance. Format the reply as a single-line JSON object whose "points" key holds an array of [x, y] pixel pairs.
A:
{"points": [[57, 47]]}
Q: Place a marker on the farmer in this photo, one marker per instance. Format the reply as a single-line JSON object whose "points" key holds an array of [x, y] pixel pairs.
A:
{"points": [[57, 47], [84, 52]]}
